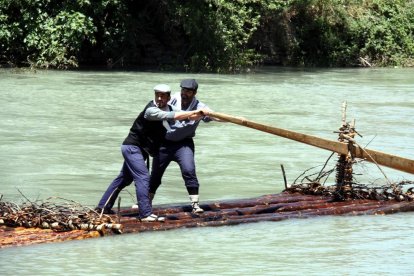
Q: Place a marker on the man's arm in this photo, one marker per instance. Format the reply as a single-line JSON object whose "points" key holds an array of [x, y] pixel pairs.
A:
{"points": [[156, 114]]}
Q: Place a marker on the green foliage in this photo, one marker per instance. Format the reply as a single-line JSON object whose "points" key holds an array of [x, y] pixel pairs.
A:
{"points": [[218, 32], [111, 18], [320, 31], [206, 35], [385, 31], [49, 34], [10, 33], [341, 33], [55, 41]]}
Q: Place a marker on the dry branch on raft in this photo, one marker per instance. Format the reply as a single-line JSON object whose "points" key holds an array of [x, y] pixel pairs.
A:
{"points": [[56, 214]]}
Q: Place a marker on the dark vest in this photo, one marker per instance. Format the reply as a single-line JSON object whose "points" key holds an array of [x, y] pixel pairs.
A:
{"points": [[146, 134]]}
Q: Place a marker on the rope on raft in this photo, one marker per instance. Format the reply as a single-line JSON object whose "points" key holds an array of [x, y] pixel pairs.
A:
{"points": [[57, 214]]}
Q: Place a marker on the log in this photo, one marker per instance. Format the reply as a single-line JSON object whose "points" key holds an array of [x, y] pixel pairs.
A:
{"points": [[238, 203], [20, 236], [373, 156]]}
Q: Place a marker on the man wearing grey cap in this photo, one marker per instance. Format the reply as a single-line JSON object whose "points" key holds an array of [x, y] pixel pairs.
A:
{"points": [[178, 145], [144, 138]]}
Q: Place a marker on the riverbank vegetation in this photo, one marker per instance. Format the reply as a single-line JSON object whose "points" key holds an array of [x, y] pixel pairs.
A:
{"points": [[206, 35]]}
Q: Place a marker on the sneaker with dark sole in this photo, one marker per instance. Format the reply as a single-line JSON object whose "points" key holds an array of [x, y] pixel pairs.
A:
{"points": [[196, 209], [105, 211], [153, 218]]}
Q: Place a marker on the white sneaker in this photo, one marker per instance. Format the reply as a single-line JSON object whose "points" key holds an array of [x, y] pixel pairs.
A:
{"points": [[153, 218], [194, 203], [196, 208], [135, 206]]}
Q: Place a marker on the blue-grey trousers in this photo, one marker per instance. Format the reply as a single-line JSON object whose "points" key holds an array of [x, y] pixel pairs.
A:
{"points": [[133, 169], [181, 152]]}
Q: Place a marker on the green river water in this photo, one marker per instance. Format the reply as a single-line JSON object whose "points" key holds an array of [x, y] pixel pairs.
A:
{"points": [[60, 135]]}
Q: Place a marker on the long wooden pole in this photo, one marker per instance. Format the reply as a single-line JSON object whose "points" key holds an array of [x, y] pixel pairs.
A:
{"points": [[380, 158]]}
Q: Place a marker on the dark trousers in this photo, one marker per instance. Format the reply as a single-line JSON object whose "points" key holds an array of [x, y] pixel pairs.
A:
{"points": [[133, 169], [181, 152]]}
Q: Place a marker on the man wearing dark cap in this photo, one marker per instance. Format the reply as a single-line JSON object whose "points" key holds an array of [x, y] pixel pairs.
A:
{"points": [[178, 145], [144, 138]]}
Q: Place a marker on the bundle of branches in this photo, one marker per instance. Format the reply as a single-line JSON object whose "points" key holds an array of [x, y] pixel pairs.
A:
{"points": [[314, 183], [55, 213], [358, 191]]}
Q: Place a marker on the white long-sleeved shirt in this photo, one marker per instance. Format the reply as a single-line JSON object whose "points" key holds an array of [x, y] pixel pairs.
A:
{"points": [[180, 130]]}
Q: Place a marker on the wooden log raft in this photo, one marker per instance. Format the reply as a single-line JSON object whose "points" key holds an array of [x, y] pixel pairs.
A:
{"points": [[273, 207]]}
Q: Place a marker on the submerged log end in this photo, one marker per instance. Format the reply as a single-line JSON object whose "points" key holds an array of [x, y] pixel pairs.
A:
{"points": [[20, 236]]}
